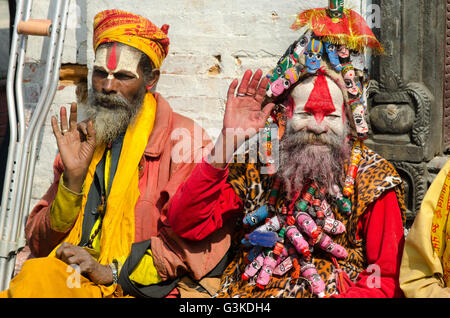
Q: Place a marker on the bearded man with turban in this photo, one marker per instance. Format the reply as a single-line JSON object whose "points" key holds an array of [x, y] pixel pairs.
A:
{"points": [[326, 219], [101, 229]]}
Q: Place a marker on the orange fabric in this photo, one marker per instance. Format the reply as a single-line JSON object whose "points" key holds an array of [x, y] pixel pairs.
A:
{"points": [[133, 30], [352, 30], [33, 282]]}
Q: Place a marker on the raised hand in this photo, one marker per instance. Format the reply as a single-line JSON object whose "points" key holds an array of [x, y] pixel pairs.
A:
{"points": [[243, 117], [76, 146], [243, 110]]}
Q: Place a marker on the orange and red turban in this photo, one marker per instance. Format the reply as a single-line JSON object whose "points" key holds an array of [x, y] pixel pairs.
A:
{"points": [[133, 30]]}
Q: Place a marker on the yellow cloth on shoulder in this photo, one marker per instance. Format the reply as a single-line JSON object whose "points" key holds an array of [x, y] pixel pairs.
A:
{"points": [[118, 223], [422, 271]]}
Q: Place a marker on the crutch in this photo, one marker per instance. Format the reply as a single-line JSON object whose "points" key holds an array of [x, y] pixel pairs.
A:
{"points": [[23, 140]]}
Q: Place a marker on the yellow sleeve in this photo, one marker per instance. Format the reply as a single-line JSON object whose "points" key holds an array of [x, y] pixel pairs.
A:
{"points": [[65, 208], [421, 272]]}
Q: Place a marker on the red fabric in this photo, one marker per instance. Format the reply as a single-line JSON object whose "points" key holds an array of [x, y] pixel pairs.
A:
{"points": [[382, 228], [206, 199]]}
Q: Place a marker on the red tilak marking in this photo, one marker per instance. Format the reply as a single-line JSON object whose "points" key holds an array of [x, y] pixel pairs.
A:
{"points": [[320, 102], [112, 61]]}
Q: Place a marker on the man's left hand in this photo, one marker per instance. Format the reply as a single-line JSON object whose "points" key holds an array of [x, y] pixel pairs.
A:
{"points": [[76, 255]]}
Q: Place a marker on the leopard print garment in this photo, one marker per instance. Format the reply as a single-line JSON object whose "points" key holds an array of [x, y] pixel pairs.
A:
{"points": [[375, 176]]}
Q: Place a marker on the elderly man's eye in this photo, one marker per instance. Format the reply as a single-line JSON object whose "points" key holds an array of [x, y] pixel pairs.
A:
{"points": [[123, 76], [332, 116], [304, 115], [100, 73]]}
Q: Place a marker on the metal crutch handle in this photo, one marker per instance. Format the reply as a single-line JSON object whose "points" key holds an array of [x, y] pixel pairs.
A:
{"points": [[35, 27]]}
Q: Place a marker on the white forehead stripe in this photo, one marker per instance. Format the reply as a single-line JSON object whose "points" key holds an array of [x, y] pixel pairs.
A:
{"points": [[128, 60]]}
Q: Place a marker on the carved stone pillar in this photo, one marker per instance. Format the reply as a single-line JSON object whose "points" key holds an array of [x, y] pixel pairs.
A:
{"points": [[406, 91]]}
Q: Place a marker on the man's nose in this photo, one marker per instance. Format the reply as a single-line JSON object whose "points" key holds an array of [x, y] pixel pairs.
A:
{"points": [[317, 129], [109, 86]]}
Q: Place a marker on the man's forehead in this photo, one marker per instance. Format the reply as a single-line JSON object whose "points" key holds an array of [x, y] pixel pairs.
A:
{"points": [[117, 58], [317, 92]]}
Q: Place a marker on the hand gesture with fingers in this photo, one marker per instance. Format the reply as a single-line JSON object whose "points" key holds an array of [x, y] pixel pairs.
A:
{"points": [[243, 117], [243, 111], [76, 146]]}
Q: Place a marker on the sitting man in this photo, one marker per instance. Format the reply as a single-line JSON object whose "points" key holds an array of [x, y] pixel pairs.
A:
{"points": [[104, 214], [425, 269], [327, 221]]}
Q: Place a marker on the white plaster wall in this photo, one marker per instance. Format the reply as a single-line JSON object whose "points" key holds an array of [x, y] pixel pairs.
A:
{"points": [[244, 34]]}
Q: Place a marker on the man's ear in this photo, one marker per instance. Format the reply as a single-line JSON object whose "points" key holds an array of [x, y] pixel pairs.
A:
{"points": [[153, 79]]}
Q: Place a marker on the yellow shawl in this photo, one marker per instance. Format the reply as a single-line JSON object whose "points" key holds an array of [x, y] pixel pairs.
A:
{"points": [[118, 223]]}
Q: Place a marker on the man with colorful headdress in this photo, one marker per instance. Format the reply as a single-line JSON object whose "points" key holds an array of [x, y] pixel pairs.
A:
{"points": [[425, 269], [325, 217], [101, 229]]}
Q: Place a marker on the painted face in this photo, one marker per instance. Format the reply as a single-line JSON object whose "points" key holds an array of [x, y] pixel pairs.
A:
{"points": [[357, 59], [314, 55], [281, 68], [116, 71], [290, 77], [318, 106], [360, 121], [343, 51], [302, 43], [333, 55], [348, 74]]}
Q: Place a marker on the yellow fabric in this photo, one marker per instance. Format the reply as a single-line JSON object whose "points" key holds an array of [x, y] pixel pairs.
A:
{"points": [[145, 272], [65, 207], [133, 30], [118, 222], [68, 203], [421, 271], [49, 277], [440, 226]]}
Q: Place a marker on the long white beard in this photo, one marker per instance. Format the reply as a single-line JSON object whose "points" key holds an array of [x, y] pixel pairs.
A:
{"points": [[112, 120], [306, 156]]}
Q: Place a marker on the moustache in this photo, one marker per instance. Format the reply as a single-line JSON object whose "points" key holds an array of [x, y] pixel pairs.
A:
{"points": [[311, 138], [110, 101]]}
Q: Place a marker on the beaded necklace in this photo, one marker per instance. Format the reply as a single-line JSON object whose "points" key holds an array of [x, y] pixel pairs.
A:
{"points": [[310, 215]]}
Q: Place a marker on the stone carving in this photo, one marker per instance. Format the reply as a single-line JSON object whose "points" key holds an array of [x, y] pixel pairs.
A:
{"points": [[414, 176], [402, 110]]}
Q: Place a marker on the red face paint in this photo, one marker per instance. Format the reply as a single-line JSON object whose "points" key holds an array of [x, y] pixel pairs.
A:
{"points": [[320, 102], [112, 60]]}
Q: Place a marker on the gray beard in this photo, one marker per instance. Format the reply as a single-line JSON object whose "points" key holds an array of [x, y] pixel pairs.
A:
{"points": [[111, 114], [307, 156]]}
